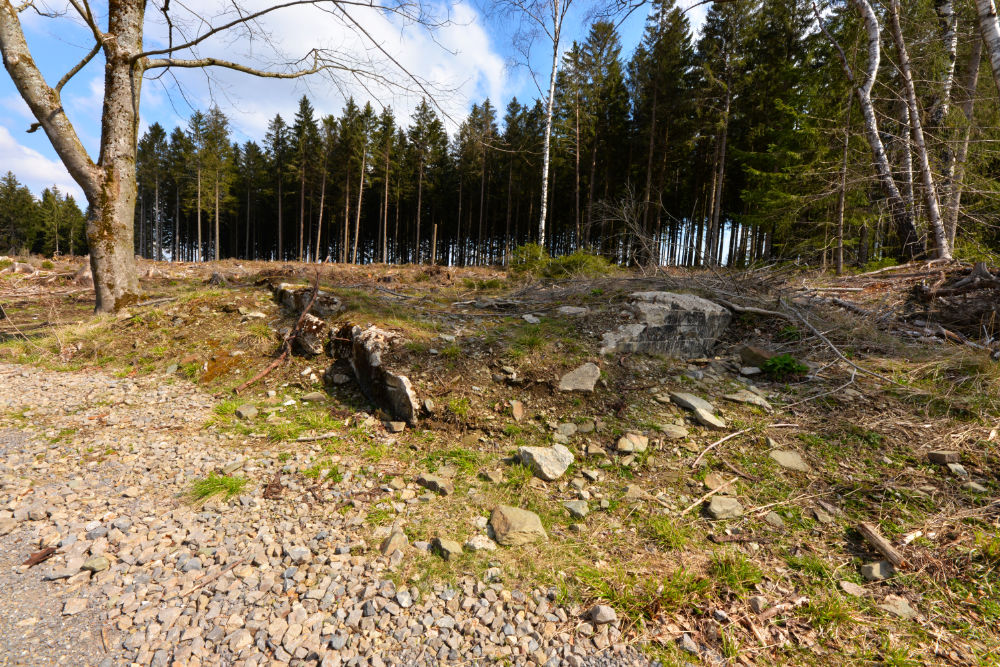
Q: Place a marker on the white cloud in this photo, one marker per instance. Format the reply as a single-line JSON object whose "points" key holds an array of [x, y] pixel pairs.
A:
{"points": [[458, 59], [34, 169]]}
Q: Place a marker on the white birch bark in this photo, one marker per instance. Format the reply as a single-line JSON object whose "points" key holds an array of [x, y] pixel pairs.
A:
{"points": [[942, 248], [902, 217], [558, 10], [990, 28], [955, 192], [949, 37]]}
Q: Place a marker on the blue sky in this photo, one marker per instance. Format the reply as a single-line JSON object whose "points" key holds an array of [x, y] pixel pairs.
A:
{"points": [[470, 58]]}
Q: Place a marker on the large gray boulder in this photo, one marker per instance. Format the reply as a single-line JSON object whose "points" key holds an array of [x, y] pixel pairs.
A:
{"points": [[368, 351], [296, 297], [676, 325]]}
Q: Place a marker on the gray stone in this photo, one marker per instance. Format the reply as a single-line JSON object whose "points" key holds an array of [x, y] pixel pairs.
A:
{"points": [[517, 410], [676, 325], [750, 398], [530, 319], [975, 487], [446, 548], [480, 543], [548, 463], [601, 614], [368, 351], [581, 379], [74, 606], [298, 555], [96, 564], [898, 606], [958, 470], [296, 297], [943, 456], [311, 336], [854, 589], [690, 401], [396, 541], [632, 443], [687, 644], [673, 431], [573, 311], [567, 429], [513, 526], [314, 397], [789, 459], [721, 507], [437, 484], [395, 427], [774, 519], [877, 571], [707, 419], [246, 411], [758, 603], [578, 508]]}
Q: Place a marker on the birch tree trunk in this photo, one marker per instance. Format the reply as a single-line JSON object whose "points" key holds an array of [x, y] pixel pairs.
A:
{"points": [[842, 195], [990, 28], [955, 192], [902, 217], [949, 38], [558, 11], [201, 247], [319, 221], [942, 249]]}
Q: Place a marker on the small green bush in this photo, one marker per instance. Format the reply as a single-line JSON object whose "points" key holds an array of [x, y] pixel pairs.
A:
{"points": [[532, 259], [784, 366], [47, 265]]}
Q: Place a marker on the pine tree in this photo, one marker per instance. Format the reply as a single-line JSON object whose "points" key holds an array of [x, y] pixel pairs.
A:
{"points": [[277, 142], [306, 147]]}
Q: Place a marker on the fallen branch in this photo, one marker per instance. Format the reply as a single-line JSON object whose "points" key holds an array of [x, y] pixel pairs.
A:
{"points": [[751, 309], [708, 495], [207, 580], [314, 438], [882, 545], [39, 557], [287, 343], [716, 444]]}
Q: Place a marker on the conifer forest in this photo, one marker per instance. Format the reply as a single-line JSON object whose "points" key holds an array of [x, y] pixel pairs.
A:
{"points": [[784, 130]]}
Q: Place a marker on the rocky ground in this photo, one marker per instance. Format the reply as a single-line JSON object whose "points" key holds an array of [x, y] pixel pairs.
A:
{"points": [[559, 489], [98, 468]]}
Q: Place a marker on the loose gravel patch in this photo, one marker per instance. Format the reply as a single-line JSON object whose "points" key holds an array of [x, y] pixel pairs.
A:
{"points": [[97, 467]]}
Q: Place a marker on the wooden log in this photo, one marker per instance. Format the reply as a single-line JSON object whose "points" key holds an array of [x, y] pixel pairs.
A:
{"points": [[874, 538]]}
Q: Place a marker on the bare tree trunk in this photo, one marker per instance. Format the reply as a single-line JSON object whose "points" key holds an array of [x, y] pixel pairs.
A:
{"points": [[949, 37], [281, 226], [990, 28], [717, 197], [385, 211], [302, 210], [420, 195], [201, 249], [902, 217], [246, 242], [177, 225], [510, 185], [842, 194], [955, 192], [347, 219], [943, 250], [576, 190], [217, 238], [558, 9], [357, 213], [319, 222]]}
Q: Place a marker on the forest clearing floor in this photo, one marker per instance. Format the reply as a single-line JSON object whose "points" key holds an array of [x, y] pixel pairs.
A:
{"points": [[179, 524]]}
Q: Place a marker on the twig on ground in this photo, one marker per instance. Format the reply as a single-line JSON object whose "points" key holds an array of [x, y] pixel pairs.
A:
{"points": [[708, 495], [716, 444]]}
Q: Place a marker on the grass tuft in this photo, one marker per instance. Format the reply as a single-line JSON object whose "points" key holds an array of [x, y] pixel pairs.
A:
{"points": [[214, 485]]}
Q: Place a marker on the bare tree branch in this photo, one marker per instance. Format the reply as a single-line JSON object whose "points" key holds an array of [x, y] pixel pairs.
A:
{"points": [[227, 64], [79, 66]]}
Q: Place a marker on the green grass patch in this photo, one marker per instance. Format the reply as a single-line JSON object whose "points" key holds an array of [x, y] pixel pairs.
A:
{"points": [[735, 571], [642, 598], [214, 485]]}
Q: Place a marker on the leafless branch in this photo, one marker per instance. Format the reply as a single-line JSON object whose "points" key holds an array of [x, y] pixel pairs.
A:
{"points": [[79, 66], [227, 64]]}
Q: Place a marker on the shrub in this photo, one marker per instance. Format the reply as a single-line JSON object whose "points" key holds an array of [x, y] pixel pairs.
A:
{"points": [[784, 366], [532, 259]]}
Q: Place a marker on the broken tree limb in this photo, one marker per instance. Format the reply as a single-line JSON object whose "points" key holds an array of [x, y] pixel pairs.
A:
{"points": [[286, 346], [716, 444], [39, 557], [708, 495], [750, 309], [875, 539]]}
